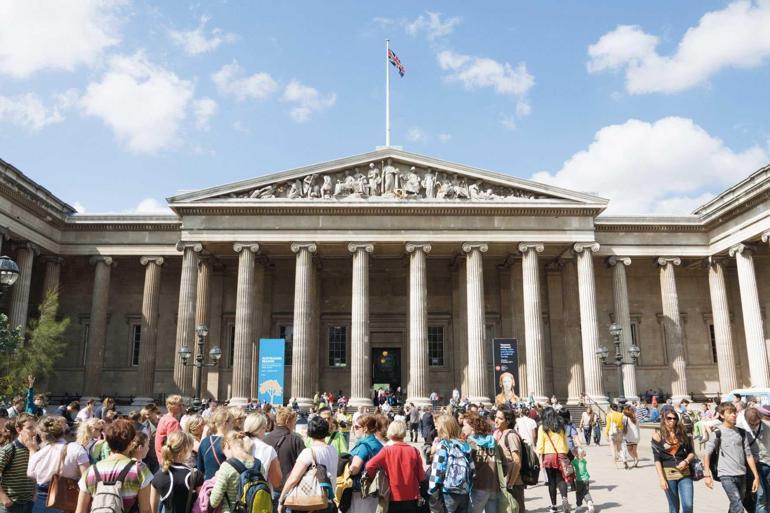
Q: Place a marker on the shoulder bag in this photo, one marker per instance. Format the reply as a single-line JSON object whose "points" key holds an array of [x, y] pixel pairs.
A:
{"points": [[308, 495], [563, 464], [62, 491]]}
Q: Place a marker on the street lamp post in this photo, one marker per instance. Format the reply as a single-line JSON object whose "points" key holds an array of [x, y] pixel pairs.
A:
{"points": [[634, 351], [185, 353]]}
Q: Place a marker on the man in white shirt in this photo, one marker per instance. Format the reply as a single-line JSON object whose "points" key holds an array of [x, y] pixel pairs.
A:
{"points": [[526, 428], [86, 412]]}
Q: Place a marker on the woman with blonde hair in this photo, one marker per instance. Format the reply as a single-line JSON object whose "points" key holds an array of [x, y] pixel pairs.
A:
{"points": [[140, 446], [54, 456], [195, 426], [90, 437], [210, 452], [175, 481], [239, 416], [255, 426], [237, 446], [452, 451]]}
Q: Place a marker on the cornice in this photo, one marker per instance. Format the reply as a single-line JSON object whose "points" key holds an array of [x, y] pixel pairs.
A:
{"points": [[651, 226]]}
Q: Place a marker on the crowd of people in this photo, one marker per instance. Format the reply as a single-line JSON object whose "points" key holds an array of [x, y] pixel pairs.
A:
{"points": [[393, 457]]}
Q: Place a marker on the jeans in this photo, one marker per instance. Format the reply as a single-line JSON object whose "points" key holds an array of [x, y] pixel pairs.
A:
{"points": [[587, 435], [597, 433], [734, 487], [483, 501], [680, 493], [39, 505], [763, 494], [456, 502], [582, 492]]}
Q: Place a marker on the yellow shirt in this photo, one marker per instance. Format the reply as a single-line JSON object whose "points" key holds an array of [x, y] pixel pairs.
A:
{"points": [[614, 417], [544, 445]]}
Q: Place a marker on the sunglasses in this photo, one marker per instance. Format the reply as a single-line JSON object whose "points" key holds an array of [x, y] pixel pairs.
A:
{"points": [[670, 418]]}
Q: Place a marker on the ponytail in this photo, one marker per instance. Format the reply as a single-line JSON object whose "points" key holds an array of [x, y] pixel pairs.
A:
{"points": [[176, 444]]}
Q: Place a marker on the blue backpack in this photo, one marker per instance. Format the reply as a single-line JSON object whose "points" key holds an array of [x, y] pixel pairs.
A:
{"points": [[459, 468], [253, 492]]}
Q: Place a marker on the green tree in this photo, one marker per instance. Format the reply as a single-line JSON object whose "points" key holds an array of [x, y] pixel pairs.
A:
{"points": [[38, 355]]}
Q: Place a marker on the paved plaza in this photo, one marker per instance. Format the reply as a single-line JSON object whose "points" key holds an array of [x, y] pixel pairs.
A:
{"points": [[628, 491]]}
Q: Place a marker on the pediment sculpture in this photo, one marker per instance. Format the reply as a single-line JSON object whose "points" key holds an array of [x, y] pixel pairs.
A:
{"points": [[387, 181]]}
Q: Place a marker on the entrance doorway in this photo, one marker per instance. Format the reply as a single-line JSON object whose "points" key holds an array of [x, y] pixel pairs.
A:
{"points": [[386, 367]]}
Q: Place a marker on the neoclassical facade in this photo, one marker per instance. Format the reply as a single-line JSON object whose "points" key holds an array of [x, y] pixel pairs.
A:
{"points": [[396, 268]]}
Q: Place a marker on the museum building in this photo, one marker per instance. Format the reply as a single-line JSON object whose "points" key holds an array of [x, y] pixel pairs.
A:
{"points": [[396, 268]]}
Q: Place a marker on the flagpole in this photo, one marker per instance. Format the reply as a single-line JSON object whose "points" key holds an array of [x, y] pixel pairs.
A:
{"points": [[387, 94]]}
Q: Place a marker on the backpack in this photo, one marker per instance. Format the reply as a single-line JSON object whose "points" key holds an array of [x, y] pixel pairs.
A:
{"points": [[253, 493], [202, 505], [107, 498], [714, 460], [530, 464], [459, 473], [687, 422]]}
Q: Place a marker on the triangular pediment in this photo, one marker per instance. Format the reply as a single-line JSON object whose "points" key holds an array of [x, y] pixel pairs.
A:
{"points": [[386, 175]]}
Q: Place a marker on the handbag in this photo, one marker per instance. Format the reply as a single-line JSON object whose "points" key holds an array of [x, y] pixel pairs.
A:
{"points": [[562, 462], [62, 491], [697, 471], [308, 495]]}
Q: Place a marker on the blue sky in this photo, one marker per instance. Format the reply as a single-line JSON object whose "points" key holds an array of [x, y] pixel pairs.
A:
{"points": [[114, 105]]}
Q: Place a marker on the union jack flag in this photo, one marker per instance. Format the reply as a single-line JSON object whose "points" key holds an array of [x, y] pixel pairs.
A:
{"points": [[395, 61]]}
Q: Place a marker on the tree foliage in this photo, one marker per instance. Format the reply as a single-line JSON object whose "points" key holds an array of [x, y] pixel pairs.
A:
{"points": [[38, 355]]}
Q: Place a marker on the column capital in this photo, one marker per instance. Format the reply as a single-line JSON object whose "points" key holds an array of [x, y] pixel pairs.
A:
{"points": [[738, 249], [526, 246], [353, 247], [614, 260], [579, 247], [183, 245], [5, 233], [107, 260], [157, 260], [31, 246], [56, 259], [411, 247], [470, 246], [714, 261], [664, 261], [310, 246], [765, 236], [247, 246]]}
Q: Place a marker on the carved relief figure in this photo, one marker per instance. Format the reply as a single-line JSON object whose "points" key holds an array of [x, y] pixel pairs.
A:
{"points": [[264, 192], [391, 174], [374, 180], [294, 191], [412, 183], [327, 188], [308, 184], [429, 184]]}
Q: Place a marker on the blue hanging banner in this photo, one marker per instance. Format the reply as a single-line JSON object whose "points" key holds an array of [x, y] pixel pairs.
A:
{"points": [[271, 366]]}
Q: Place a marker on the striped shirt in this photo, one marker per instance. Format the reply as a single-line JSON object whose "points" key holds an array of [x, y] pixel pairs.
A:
{"points": [[138, 478], [225, 491], [14, 458]]}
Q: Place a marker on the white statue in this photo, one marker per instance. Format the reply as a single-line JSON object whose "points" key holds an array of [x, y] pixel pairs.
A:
{"points": [[327, 188], [412, 183], [294, 191], [374, 180], [391, 178], [429, 184]]}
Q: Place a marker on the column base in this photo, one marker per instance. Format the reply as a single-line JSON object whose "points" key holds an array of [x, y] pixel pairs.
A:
{"points": [[239, 401], [575, 401], [355, 402], [142, 401], [419, 402], [480, 400], [305, 403]]}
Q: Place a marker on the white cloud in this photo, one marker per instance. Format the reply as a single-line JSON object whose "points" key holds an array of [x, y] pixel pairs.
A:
{"points": [[444, 138], [737, 36], [307, 100], [666, 167], [508, 122], [78, 206], [431, 25], [195, 42], [55, 34], [144, 104], [28, 111], [151, 206], [416, 134], [483, 72], [203, 109], [230, 81]]}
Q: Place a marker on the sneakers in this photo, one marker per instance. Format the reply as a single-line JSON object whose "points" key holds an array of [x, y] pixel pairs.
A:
{"points": [[590, 506], [553, 509]]}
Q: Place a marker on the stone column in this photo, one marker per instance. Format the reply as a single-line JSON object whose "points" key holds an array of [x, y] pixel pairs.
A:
{"points": [[418, 324], [752, 316], [244, 321], [304, 344], [149, 334], [52, 274], [5, 234], [623, 319], [17, 312], [589, 328], [185, 324], [720, 313], [360, 351], [97, 329], [533, 320], [672, 326], [477, 355], [260, 262], [202, 312], [575, 383]]}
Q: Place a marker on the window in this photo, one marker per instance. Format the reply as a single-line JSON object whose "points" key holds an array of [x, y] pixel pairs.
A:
{"points": [[231, 344], [136, 338], [435, 346], [338, 354], [287, 333], [86, 327], [713, 337], [635, 334]]}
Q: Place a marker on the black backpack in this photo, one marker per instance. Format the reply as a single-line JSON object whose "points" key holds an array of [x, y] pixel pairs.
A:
{"points": [[714, 459]]}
